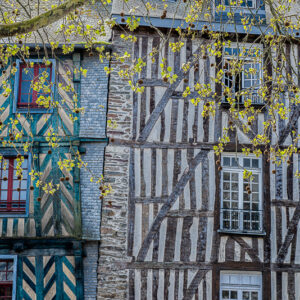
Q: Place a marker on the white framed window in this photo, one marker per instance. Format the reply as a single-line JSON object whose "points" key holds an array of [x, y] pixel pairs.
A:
{"points": [[243, 72], [240, 286], [241, 199]]}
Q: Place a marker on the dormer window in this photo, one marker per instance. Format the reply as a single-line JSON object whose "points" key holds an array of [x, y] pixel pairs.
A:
{"points": [[234, 11], [240, 3]]}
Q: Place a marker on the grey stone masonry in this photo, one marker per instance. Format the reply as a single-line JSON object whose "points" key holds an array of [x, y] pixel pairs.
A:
{"points": [[93, 98], [90, 271], [90, 202], [112, 273]]}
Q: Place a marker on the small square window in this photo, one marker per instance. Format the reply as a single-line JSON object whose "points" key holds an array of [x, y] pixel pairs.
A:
{"points": [[13, 184]]}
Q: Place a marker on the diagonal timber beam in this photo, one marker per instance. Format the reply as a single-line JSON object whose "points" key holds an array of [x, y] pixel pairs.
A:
{"points": [[239, 125], [292, 230], [190, 292], [40, 21], [166, 96], [290, 125], [178, 189], [247, 248]]}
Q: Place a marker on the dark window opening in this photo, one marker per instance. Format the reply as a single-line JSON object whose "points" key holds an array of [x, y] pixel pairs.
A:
{"points": [[6, 279]]}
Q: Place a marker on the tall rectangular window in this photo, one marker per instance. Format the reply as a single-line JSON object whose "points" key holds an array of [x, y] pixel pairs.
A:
{"points": [[242, 74], [13, 185], [241, 199], [240, 286], [29, 75], [6, 279]]}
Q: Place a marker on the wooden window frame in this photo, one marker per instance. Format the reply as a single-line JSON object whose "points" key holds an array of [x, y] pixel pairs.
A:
{"points": [[27, 108], [22, 204], [36, 69]]}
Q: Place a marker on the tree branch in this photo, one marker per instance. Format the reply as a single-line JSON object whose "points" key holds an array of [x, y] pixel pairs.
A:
{"points": [[40, 21]]}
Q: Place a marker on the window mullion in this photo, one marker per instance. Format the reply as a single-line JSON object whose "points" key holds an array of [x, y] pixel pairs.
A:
{"points": [[240, 199], [35, 79], [10, 182]]}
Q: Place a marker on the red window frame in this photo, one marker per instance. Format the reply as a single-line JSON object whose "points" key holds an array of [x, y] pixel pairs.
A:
{"points": [[9, 205], [6, 285], [36, 68]]}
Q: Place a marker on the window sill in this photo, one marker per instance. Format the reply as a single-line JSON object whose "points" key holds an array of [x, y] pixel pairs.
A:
{"points": [[244, 233], [33, 110], [14, 215]]}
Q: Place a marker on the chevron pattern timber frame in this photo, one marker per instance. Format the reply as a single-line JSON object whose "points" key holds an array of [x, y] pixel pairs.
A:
{"points": [[47, 277]]}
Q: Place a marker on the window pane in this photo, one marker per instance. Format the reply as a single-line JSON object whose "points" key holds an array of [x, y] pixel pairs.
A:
{"points": [[225, 294], [235, 176], [3, 195], [26, 98], [234, 162], [26, 87], [246, 162], [226, 186], [254, 295], [254, 188], [226, 161], [23, 195], [235, 186], [233, 294], [254, 163], [4, 185], [27, 74], [226, 176], [24, 184], [15, 195], [246, 295], [235, 196]]}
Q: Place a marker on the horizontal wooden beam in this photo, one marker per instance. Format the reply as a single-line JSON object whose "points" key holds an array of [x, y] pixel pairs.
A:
{"points": [[169, 265], [189, 213], [284, 202]]}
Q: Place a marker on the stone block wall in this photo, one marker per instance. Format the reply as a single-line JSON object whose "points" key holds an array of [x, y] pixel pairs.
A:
{"points": [[112, 273]]}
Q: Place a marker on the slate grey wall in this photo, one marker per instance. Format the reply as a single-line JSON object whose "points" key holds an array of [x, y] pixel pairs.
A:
{"points": [[90, 270], [93, 98], [92, 125], [90, 202]]}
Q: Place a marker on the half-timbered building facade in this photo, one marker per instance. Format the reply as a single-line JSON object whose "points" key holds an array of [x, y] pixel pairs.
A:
{"points": [[49, 240], [180, 222]]}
